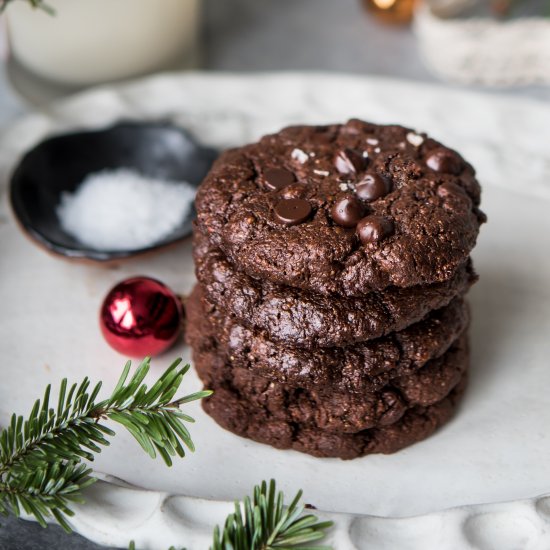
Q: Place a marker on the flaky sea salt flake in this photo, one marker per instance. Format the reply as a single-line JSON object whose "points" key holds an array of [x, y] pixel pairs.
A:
{"points": [[415, 139], [299, 156]]}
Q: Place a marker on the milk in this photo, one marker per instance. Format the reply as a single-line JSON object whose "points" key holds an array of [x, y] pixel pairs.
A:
{"points": [[90, 41]]}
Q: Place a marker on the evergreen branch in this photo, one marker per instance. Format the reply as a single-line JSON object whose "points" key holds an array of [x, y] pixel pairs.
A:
{"points": [[40, 470], [264, 523], [74, 429], [48, 491]]}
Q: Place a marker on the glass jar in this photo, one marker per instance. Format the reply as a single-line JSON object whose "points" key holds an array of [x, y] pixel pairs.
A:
{"points": [[91, 41]]}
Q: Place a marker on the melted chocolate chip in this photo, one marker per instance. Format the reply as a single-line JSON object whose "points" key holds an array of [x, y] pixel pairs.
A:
{"points": [[350, 161], [278, 178], [292, 211], [347, 211], [374, 229], [445, 160], [449, 189], [372, 187], [394, 407]]}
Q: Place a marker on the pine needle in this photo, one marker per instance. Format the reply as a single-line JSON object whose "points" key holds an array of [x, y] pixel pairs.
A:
{"points": [[40, 456], [264, 523]]}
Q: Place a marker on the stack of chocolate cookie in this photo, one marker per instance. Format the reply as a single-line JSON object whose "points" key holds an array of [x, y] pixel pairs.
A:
{"points": [[332, 264]]}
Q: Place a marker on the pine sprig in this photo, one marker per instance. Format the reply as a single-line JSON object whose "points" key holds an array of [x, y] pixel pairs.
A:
{"points": [[39, 456], [74, 429], [47, 491], [265, 523]]}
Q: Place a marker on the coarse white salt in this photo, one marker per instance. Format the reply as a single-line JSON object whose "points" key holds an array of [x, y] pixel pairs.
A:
{"points": [[299, 156], [415, 139], [321, 172], [124, 210]]}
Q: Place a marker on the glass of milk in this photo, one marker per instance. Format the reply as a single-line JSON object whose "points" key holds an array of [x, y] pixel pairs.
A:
{"points": [[92, 41]]}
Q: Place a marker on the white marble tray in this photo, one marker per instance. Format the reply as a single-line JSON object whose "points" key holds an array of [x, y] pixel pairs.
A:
{"points": [[497, 448]]}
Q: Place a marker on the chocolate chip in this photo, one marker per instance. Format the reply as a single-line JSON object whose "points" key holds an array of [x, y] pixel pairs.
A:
{"points": [[350, 161], [449, 189], [292, 211], [277, 178], [445, 160], [347, 211], [481, 216], [374, 228], [394, 408], [372, 187]]}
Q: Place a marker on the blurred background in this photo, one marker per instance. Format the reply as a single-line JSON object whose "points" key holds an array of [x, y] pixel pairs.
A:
{"points": [[62, 46]]}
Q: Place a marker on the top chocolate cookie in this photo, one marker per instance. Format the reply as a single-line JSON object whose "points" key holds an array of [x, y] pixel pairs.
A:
{"points": [[343, 208]]}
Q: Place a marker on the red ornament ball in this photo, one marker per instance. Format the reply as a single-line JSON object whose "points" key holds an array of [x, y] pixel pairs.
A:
{"points": [[141, 316]]}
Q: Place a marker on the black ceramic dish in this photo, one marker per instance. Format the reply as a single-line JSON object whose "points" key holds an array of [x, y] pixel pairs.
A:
{"points": [[60, 163]]}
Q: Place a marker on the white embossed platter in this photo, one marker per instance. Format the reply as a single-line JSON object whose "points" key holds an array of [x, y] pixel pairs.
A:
{"points": [[496, 449]]}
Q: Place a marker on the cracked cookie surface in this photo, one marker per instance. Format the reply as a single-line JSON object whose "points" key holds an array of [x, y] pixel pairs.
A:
{"points": [[354, 369], [235, 411], [332, 410], [299, 318], [343, 209]]}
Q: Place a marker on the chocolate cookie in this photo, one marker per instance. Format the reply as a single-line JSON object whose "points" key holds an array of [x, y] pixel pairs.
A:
{"points": [[343, 209], [236, 413], [298, 318], [356, 369], [340, 412]]}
